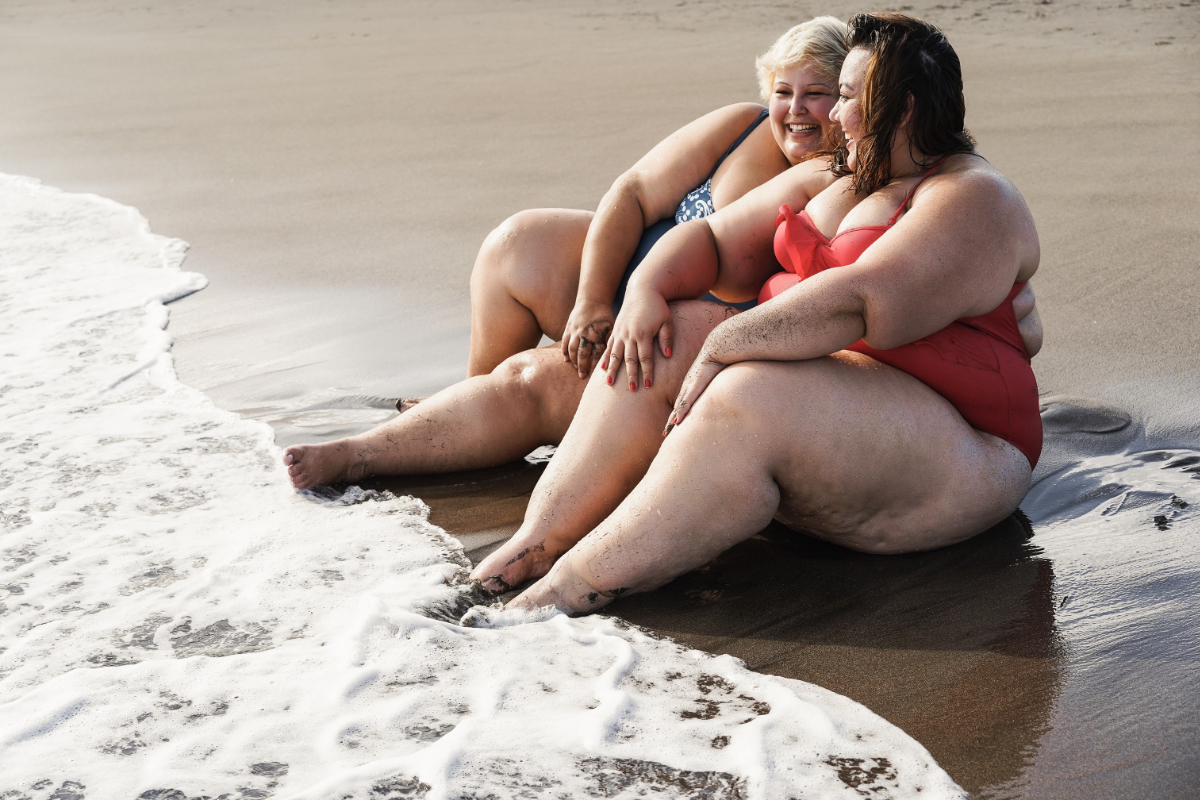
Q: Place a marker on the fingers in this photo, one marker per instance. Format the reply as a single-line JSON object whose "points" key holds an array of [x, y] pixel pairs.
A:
{"points": [[612, 358], [631, 364], [586, 357], [697, 380], [619, 353], [666, 338], [570, 348], [646, 362]]}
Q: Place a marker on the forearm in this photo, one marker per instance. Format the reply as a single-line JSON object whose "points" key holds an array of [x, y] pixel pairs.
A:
{"points": [[682, 266], [818, 317], [611, 241]]}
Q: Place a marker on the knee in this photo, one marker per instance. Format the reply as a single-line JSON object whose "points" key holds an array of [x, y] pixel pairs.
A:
{"points": [[541, 381], [741, 393], [520, 373], [539, 374], [496, 253], [501, 246], [522, 255]]}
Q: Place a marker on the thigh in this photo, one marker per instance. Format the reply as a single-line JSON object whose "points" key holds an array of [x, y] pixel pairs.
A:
{"points": [[539, 252], [867, 456]]}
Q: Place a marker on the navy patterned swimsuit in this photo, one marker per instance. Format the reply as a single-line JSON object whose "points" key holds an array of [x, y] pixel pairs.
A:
{"points": [[696, 205]]}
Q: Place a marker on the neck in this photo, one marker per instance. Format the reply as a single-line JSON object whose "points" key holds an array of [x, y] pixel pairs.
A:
{"points": [[906, 161]]}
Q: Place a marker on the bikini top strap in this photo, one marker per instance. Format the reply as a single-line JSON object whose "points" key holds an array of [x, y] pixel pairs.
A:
{"points": [[908, 197], [761, 116]]}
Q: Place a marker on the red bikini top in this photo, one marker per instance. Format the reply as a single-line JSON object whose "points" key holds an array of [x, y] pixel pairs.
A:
{"points": [[804, 251], [802, 248]]}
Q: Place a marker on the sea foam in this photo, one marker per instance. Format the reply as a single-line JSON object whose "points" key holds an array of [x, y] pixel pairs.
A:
{"points": [[176, 622]]}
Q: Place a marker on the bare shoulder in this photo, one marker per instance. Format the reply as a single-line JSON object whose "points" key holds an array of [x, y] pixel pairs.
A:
{"points": [[740, 111], [728, 120], [809, 178], [973, 195], [970, 177]]}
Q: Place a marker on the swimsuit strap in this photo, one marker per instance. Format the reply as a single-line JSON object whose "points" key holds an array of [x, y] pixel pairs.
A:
{"points": [[913, 190], [761, 116]]}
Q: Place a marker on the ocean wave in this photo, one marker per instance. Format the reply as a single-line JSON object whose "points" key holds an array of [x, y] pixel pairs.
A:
{"points": [[176, 622]]}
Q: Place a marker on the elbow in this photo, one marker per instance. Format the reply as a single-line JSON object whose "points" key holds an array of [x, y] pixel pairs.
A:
{"points": [[879, 341], [881, 335], [627, 191]]}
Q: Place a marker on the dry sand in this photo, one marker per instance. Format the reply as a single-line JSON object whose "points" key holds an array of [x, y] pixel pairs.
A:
{"points": [[335, 166]]}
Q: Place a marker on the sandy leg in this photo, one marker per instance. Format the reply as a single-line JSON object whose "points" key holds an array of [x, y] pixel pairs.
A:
{"points": [[610, 444], [526, 402]]}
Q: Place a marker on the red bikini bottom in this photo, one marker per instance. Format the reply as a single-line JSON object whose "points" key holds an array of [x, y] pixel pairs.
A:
{"points": [[988, 381]]}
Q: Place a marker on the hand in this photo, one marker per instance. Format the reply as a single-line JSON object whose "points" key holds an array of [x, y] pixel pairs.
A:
{"points": [[586, 334], [703, 370], [644, 317]]}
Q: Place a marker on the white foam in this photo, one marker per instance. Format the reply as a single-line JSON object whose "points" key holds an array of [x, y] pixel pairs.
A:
{"points": [[176, 622]]}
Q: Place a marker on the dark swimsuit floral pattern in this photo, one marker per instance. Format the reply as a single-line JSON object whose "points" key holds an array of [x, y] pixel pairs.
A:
{"points": [[696, 205]]}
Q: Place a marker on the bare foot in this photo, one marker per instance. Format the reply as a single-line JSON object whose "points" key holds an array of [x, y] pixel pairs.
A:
{"points": [[566, 590], [517, 561], [407, 403], [312, 465]]}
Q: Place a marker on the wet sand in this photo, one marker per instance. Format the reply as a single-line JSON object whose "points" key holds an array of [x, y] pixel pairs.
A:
{"points": [[335, 167]]}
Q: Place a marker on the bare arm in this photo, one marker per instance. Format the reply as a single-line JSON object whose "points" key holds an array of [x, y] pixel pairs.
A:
{"points": [[957, 253], [732, 248], [648, 192]]}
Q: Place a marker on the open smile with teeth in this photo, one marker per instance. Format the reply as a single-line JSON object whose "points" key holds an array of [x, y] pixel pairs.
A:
{"points": [[803, 128]]}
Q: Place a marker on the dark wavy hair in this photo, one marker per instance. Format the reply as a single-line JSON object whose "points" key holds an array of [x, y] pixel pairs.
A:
{"points": [[909, 59]]}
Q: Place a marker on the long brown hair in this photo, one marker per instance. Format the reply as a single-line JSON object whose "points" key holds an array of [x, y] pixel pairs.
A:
{"points": [[911, 61]]}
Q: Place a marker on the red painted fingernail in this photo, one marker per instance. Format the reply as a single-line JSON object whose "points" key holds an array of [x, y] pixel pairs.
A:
{"points": [[647, 383], [609, 379], [632, 386], [668, 352]]}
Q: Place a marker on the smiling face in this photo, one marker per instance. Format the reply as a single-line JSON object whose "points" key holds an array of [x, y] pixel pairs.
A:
{"points": [[800, 104], [848, 110]]}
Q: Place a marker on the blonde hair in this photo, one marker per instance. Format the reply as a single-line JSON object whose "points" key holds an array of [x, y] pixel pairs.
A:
{"points": [[820, 42]]}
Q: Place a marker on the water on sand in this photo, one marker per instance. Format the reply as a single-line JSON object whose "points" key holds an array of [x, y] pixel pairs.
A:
{"points": [[177, 622]]}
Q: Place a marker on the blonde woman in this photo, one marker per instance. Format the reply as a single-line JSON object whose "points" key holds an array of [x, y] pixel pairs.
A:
{"points": [[562, 273]]}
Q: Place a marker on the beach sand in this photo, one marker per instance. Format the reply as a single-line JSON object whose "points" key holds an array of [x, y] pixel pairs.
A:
{"points": [[335, 167]]}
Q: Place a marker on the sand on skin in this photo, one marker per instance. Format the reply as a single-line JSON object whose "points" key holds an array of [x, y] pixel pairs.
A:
{"points": [[335, 170]]}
